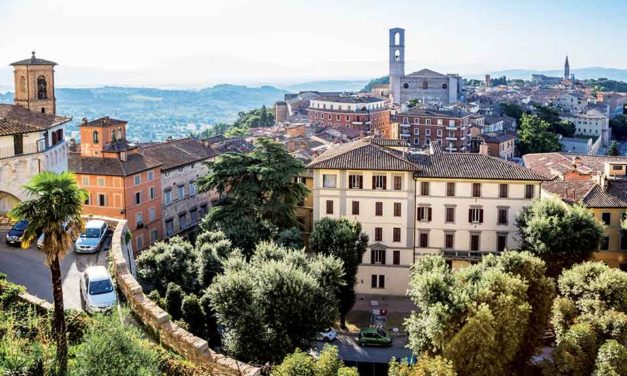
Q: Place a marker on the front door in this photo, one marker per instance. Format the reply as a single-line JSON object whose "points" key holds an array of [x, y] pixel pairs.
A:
{"points": [[18, 145]]}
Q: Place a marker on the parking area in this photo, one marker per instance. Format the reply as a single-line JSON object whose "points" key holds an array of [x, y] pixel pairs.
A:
{"points": [[28, 268], [351, 351]]}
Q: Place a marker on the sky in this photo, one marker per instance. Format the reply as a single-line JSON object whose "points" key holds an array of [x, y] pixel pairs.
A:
{"points": [[195, 43]]}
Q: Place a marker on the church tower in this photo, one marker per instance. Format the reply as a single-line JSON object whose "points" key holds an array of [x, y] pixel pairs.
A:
{"points": [[566, 69], [397, 62], [34, 84]]}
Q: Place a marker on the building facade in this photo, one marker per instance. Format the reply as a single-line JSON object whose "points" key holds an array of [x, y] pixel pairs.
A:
{"points": [[421, 127], [591, 124], [121, 182], [368, 114], [425, 85], [458, 205]]}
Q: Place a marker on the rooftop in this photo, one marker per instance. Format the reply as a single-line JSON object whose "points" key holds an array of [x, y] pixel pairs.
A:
{"points": [[348, 99], [426, 73], [177, 153], [431, 112], [34, 61], [110, 166], [552, 165], [17, 120], [102, 122]]}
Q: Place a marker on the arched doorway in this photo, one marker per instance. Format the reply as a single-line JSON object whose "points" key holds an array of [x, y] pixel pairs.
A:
{"points": [[7, 202]]}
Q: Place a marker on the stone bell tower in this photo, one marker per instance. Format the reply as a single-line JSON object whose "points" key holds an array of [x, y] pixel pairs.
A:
{"points": [[34, 84], [397, 62]]}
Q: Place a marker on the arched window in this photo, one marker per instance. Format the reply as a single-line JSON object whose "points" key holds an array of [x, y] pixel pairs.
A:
{"points": [[95, 137], [397, 55], [119, 133], [113, 135], [444, 86], [42, 91], [397, 38], [425, 84], [22, 84]]}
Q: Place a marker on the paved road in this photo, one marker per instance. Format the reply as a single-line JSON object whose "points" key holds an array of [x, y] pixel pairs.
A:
{"points": [[351, 351], [28, 268]]}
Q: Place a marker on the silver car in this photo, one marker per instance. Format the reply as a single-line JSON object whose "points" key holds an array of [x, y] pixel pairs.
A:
{"points": [[91, 240], [97, 290]]}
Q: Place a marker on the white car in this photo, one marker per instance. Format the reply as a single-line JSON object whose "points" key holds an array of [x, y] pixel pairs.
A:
{"points": [[327, 335], [91, 240], [97, 290], [40, 240]]}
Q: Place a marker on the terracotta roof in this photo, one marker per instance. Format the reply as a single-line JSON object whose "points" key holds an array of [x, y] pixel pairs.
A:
{"points": [[103, 121], [110, 166], [569, 191], [367, 155], [431, 112], [34, 61], [389, 142], [362, 155], [17, 119], [552, 164], [178, 152], [615, 196], [426, 72], [498, 138], [348, 99]]}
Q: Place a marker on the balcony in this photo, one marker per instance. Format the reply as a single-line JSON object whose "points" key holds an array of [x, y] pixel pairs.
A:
{"points": [[31, 148], [405, 125], [466, 255], [451, 138], [451, 127]]}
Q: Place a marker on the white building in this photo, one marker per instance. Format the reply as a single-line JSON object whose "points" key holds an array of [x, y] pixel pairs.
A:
{"points": [[591, 124], [459, 205]]}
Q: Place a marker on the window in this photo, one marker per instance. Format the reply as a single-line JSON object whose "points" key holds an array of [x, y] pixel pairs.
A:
{"points": [[377, 256], [605, 243], [623, 240], [475, 215], [183, 221], [424, 188], [139, 219], [424, 240], [396, 234], [476, 189], [474, 242], [502, 216], [138, 198], [150, 175], [501, 242], [450, 189], [529, 191], [503, 190], [396, 257], [169, 226], [439, 133], [329, 181], [85, 181], [398, 183], [168, 196], [152, 193], [416, 130], [102, 199], [95, 137], [355, 181], [377, 281], [379, 182], [151, 214], [329, 206], [378, 209], [428, 131], [450, 214], [153, 236], [449, 240], [606, 218], [378, 234], [181, 192], [424, 214], [397, 209], [138, 179], [140, 242], [193, 215], [355, 210]]}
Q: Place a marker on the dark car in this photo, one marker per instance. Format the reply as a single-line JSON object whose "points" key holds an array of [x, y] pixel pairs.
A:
{"points": [[14, 236]]}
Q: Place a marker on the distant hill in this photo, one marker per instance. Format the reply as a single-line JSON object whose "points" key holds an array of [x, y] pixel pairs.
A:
{"points": [[581, 73], [155, 114], [331, 85]]}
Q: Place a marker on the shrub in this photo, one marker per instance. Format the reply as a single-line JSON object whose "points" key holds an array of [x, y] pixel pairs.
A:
{"points": [[611, 359], [77, 323], [156, 297], [192, 313], [174, 300], [295, 364], [328, 363]]}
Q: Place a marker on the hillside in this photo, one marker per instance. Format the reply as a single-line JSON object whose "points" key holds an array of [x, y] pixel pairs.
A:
{"points": [[155, 114]]}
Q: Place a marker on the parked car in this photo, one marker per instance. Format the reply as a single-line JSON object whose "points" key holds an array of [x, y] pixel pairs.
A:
{"points": [[97, 291], [327, 335], [373, 337], [40, 240], [91, 240], [15, 234]]}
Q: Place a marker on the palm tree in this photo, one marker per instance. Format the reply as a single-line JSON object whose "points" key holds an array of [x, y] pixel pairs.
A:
{"points": [[54, 207]]}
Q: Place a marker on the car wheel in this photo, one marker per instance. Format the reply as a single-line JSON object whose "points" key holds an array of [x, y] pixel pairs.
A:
{"points": [[361, 344]]}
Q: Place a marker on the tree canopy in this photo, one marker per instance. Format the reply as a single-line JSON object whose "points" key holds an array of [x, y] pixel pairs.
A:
{"points": [[374, 82], [562, 236], [343, 239], [275, 302], [535, 136], [302, 364]]}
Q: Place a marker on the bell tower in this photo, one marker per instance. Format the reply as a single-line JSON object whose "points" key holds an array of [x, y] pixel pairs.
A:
{"points": [[397, 62], [34, 84]]}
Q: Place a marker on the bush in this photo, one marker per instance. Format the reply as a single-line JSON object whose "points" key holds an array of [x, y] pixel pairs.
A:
{"points": [[295, 364], [77, 324], [611, 359], [112, 349], [28, 352], [174, 300], [328, 363], [192, 314], [426, 366], [156, 297]]}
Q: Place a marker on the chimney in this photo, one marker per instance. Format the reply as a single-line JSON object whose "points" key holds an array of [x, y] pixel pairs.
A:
{"points": [[483, 148], [84, 121]]}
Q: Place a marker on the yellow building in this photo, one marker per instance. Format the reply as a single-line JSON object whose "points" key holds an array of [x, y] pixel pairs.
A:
{"points": [[458, 205], [597, 182]]}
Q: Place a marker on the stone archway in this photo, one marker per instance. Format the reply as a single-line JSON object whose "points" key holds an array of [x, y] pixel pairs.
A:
{"points": [[7, 202]]}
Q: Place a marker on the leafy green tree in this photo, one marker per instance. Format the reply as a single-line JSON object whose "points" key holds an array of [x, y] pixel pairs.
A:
{"points": [[291, 238], [426, 366], [261, 191], [611, 359], [192, 314], [562, 236], [575, 353], [347, 371], [536, 137], [619, 127], [54, 206], [275, 302], [174, 296], [328, 363], [110, 348], [374, 82], [211, 323], [613, 149], [343, 239], [212, 247], [163, 263], [296, 364], [512, 110]]}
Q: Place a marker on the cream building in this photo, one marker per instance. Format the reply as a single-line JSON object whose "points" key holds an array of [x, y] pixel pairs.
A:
{"points": [[459, 205], [32, 137], [591, 124]]}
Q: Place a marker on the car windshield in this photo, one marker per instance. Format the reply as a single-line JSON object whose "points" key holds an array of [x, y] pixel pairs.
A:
{"points": [[92, 233], [21, 225], [381, 333], [100, 287]]}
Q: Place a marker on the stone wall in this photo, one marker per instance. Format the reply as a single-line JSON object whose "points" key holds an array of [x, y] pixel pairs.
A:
{"points": [[192, 348]]}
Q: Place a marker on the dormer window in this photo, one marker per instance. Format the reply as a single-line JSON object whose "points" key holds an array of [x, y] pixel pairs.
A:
{"points": [[95, 137]]}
